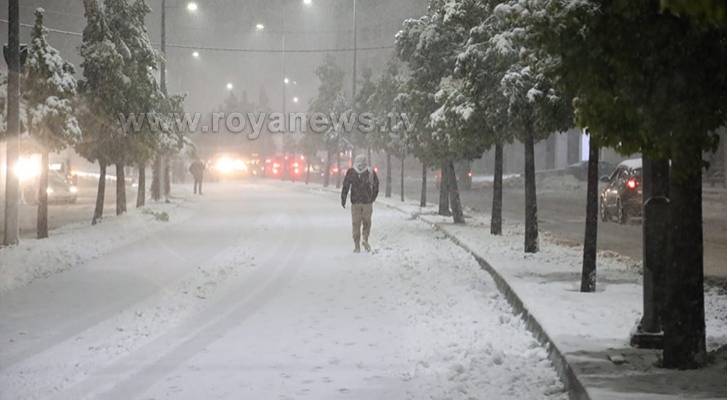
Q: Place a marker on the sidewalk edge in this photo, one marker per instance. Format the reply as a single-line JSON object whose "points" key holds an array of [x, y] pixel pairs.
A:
{"points": [[574, 386]]}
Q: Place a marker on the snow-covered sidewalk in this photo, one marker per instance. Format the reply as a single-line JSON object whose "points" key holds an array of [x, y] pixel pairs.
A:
{"points": [[78, 243], [258, 295], [587, 329]]}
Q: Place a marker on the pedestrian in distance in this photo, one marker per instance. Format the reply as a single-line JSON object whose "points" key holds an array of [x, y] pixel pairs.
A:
{"points": [[364, 185], [197, 169]]}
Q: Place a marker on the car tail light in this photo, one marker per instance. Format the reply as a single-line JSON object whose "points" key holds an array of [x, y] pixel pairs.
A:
{"points": [[632, 184]]}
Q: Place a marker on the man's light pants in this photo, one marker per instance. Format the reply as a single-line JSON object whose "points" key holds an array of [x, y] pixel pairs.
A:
{"points": [[361, 221]]}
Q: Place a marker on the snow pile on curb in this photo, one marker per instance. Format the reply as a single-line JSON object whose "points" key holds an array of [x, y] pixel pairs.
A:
{"points": [[75, 244]]}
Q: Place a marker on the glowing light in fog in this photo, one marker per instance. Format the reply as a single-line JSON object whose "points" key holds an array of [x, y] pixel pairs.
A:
{"points": [[286, 80], [307, 2], [229, 86], [295, 99], [259, 27], [195, 54], [192, 6], [27, 167], [228, 165]]}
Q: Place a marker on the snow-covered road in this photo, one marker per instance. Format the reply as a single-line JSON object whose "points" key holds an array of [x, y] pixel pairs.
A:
{"points": [[258, 296]]}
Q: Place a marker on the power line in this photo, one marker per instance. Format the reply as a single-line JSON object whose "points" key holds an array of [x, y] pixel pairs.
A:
{"points": [[60, 31], [234, 49], [279, 51]]}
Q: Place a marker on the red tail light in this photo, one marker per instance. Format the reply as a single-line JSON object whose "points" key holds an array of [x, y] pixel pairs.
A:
{"points": [[632, 183]]}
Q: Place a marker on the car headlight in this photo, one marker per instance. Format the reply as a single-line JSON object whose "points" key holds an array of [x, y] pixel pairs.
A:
{"points": [[73, 189]]}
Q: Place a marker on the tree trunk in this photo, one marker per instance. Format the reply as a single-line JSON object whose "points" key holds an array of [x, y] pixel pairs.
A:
{"points": [[388, 183], [684, 311], [120, 189], [327, 170], [100, 194], [589, 262], [550, 156], [423, 193], [454, 194], [42, 222], [308, 172], [655, 240], [444, 204], [531, 211], [496, 215], [401, 179], [156, 178], [167, 179], [465, 175], [142, 185], [338, 169]]}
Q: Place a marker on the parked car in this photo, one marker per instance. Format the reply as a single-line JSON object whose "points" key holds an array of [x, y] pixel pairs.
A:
{"points": [[60, 189], [621, 198], [580, 170]]}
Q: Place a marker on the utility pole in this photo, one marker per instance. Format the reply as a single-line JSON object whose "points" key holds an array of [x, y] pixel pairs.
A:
{"points": [[353, 75], [353, 80], [158, 169], [12, 185]]}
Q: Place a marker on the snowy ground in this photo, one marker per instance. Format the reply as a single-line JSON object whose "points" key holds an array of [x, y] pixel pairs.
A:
{"points": [[590, 328], [256, 295]]}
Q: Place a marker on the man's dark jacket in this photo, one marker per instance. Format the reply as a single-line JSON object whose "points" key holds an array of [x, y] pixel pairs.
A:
{"points": [[364, 186]]}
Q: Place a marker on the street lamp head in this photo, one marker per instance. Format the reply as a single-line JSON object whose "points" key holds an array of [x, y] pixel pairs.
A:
{"points": [[307, 2], [295, 99], [259, 27], [286, 80], [229, 86], [192, 6], [196, 54]]}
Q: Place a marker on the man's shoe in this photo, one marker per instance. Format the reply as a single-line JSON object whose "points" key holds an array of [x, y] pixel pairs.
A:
{"points": [[367, 247]]}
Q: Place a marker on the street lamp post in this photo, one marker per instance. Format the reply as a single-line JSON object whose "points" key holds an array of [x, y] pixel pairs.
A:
{"points": [[160, 171]]}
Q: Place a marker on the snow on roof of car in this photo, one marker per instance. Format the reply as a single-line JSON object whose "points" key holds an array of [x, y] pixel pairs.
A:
{"points": [[634, 163]]}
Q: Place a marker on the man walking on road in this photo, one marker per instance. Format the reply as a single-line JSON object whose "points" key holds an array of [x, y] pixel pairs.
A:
{"points": [[197, 169], [364, 186]]}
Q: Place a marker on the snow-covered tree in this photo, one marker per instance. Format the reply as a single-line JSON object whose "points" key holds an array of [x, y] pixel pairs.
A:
{"points": [[652, 80], [103, 80], [48, 90], [381, 102], [429, 46], [330, 100], [141, 91], [479, 68], [536, 108]]}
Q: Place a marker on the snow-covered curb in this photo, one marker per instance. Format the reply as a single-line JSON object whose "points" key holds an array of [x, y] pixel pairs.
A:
{"points": [[77, 243], [581, 331]]}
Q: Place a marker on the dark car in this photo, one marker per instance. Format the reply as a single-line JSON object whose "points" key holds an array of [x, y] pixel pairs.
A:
{"points": [[580, 170], [621, 198]]}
